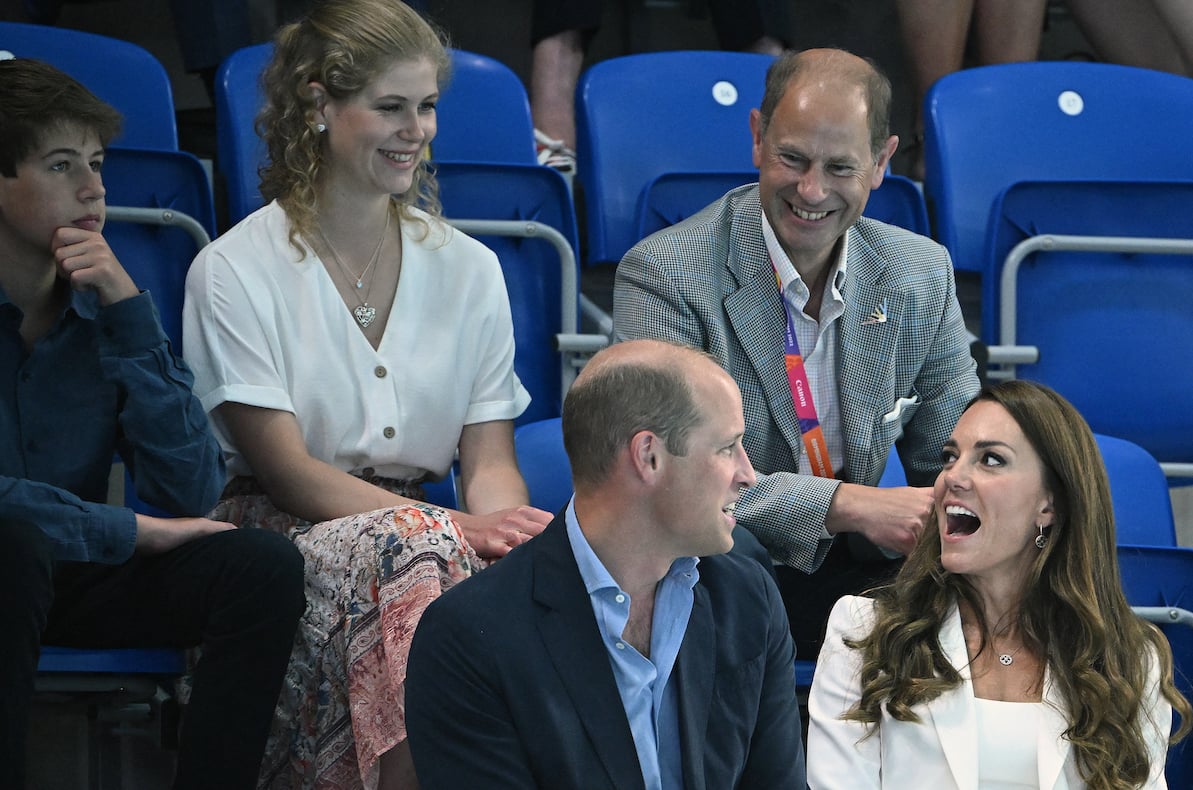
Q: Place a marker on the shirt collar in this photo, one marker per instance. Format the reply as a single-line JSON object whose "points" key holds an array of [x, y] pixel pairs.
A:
{"points": [[596, 576], [793, 285], [85, 303]]}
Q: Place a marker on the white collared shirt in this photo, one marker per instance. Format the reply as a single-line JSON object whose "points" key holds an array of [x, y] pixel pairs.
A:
{"points": [[817, 341]]}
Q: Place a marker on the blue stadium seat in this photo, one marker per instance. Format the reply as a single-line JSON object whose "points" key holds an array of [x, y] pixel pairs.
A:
{"points": [[124, 692], [172, 217], [1158, 582], [989, 127], [442, 492], [640, 116], [535, 239], [1076, 207], [484, 114], [123, 74], [1142, 504], [544, 463], [1107, 316], [239, 150]]}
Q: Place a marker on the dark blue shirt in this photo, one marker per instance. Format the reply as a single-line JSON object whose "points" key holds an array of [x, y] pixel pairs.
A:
{"points": [[102, 380]]}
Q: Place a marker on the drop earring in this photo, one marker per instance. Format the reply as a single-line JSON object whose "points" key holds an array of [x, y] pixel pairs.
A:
{"points": [[1041, 539]]}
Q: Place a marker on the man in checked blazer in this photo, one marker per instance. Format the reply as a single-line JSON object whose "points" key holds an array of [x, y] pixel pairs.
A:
{"points": [[875, 312]]}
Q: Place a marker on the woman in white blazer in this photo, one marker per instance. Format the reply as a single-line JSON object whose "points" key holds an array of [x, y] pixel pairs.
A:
{"points": [[1004, 654]]}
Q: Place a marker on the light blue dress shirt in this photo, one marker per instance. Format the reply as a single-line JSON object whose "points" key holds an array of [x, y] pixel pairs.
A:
{"points": [[647, 692]]}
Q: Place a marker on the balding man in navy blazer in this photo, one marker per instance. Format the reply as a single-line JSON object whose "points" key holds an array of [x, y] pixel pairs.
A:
{"points": [[603, 653]]}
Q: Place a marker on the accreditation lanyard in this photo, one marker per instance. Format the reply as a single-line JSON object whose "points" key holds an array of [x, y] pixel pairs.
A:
{"points": [[801, 395]]}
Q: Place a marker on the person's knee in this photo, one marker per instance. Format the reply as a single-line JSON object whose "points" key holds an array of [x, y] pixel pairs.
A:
{"points": [[266, 569]]}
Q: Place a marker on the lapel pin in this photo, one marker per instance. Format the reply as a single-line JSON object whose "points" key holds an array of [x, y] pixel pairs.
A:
{"points": [[877, 315]]}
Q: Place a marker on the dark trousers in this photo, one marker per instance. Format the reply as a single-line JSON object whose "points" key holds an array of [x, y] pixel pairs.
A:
{"points": [[809, 597], [236, 594]]}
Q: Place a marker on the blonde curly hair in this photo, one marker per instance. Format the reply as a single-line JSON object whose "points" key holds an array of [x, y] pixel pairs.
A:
{"points": [[343, 45]]}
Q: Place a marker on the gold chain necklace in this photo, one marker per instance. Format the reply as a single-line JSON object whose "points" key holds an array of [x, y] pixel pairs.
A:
{"points": [[364, 313]]}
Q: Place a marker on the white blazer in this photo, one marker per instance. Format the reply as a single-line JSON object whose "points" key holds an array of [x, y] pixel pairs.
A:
{"points": [[940, 752]]}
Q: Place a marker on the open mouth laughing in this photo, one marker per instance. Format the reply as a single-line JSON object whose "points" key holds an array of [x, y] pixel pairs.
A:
{"points": [[961, 521]]}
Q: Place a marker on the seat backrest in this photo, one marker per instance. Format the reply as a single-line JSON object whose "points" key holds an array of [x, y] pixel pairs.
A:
{"points": [[1142, 504], [670, 198], [988, 127], [544, 463], [640, 116], [111, 661], [1113, 329], [123, 74], [899, 201], [531, 266], [442, 492], [1163, 576], [241, 152], [157, 256], [1082, 207], [483, 114]]}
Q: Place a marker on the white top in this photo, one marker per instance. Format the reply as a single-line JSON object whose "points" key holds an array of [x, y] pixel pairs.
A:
{"points": [[265, 326], [1007, 751], [941, 751]]}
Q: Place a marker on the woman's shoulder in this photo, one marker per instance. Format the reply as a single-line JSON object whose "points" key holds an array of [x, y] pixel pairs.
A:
{"points": [[446, 246], [853, 615], [261, 239], [266, 228]]}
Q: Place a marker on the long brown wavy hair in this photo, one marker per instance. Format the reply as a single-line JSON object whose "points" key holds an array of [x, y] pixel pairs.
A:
{"points": [[1073, 610], [343, 45]]}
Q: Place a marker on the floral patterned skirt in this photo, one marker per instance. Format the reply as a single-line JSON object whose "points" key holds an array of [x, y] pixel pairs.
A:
{"points": [[369, 577]]}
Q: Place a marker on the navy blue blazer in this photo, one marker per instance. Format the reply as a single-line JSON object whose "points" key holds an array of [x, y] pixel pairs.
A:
{"points": [[509, 684]]}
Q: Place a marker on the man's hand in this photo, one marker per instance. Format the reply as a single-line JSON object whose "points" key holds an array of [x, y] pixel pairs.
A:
{"points": [[494, 534], [892, 518], [86, 261], [158, 535]]}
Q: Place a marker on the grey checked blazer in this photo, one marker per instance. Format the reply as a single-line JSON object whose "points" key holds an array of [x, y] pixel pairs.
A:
{"points": [[708, 282]]}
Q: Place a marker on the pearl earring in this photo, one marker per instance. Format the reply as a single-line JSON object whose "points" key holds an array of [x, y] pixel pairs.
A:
{"points": [[1041, 539], [320, 128]]}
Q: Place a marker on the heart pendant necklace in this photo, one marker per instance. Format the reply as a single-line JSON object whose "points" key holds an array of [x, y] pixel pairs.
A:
{"points": [[364, 313]]}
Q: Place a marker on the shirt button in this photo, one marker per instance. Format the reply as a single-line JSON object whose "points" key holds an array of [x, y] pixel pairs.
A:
{"points": [[31, 446], [619, 598], [388, 433], [368, 471], [621, 645], [380, 371]]}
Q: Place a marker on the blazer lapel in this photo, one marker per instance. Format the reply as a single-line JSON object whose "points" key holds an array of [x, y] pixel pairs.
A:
{"points": [[756, 312], [695, 667], [954, 714], [1052, 749], [569, 631], [866, 337]]}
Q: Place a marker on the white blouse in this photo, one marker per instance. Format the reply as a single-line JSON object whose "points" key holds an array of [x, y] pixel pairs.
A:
{"points": [[266, 327], [1007, 752]]}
